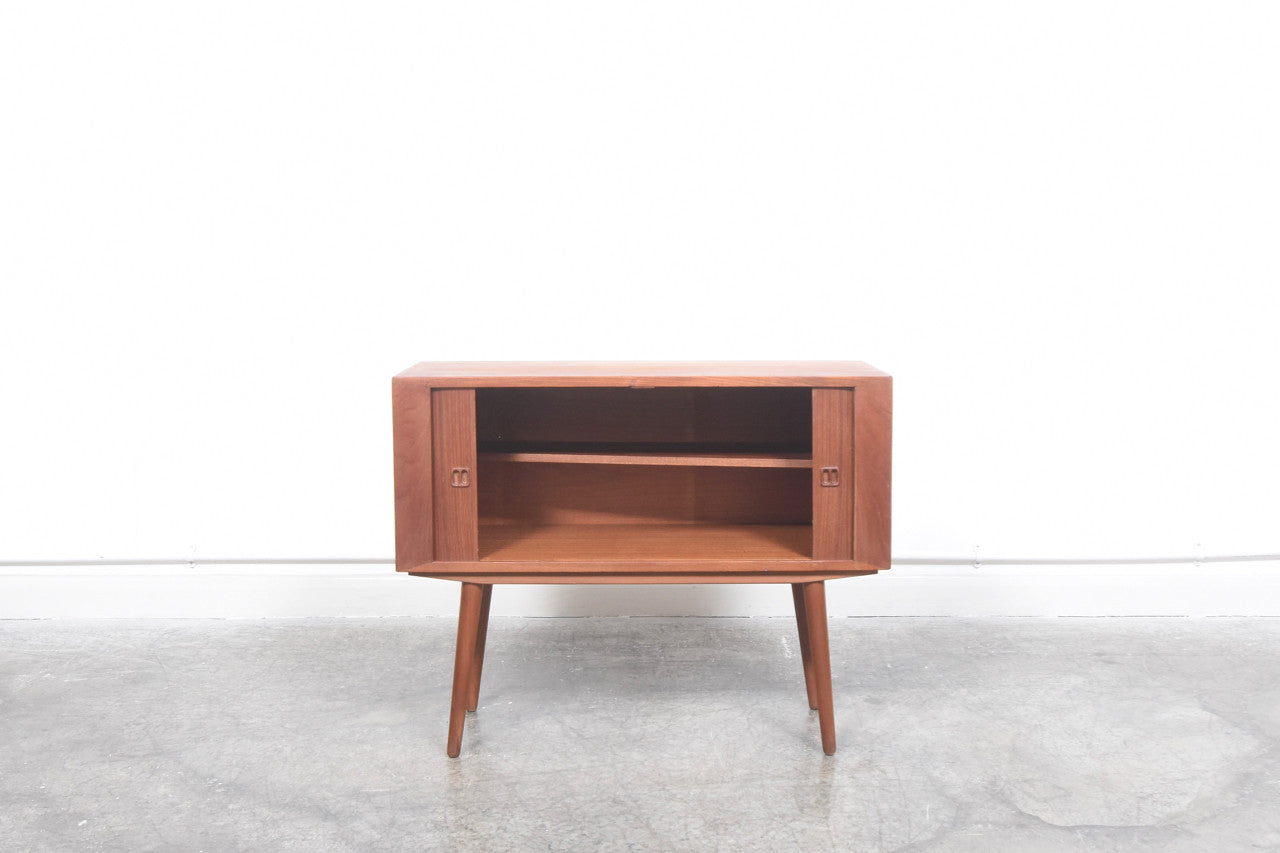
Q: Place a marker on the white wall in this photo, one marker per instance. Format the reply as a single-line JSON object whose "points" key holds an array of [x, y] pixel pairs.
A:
{"points": [[224, 227]]}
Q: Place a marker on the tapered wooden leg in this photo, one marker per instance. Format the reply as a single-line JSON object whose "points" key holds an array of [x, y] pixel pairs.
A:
{"points": [[477, 661], [468, 621], [815, 607], [802, 622]]}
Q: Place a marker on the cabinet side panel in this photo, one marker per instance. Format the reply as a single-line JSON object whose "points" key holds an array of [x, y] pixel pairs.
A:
{"points": [[833, 503], [453, 427], [872, 471], [411, 440]]}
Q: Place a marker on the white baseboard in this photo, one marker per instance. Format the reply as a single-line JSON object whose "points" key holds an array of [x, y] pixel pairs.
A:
{"points": [[291, 591]]}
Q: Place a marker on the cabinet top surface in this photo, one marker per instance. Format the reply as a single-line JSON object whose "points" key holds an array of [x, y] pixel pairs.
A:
{"points": [[471, 374]]}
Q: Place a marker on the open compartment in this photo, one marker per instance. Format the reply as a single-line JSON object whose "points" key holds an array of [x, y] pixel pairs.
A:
{"points": [[653, 473]]}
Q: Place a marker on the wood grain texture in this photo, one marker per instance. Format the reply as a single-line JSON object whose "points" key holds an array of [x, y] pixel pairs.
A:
{"points": [[815, 608], [717, 418], [650, 571], [641, 374], [464, 653], [872, 472], [617, 494], [833, 446], [684, 460], [411, 440], [453, 428], [671, 542], [806, 656], [477, 660]]}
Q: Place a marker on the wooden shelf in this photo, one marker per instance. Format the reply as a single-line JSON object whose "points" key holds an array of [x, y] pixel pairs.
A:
{"points": [[622, 542], [688, 460]]}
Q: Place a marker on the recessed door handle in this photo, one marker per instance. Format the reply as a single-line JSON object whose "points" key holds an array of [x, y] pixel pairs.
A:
{"points": [[461, 477], [830, 476]]}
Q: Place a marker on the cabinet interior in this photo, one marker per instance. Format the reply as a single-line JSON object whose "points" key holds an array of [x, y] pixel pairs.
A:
{"points": [[644, 473]]}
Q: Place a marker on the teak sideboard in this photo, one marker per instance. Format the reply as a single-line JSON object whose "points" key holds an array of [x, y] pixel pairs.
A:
{"points": [[642, 472]]}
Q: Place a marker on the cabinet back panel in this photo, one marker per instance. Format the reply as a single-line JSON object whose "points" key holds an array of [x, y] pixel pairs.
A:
{"points": [[778, 417], [523, 493]]}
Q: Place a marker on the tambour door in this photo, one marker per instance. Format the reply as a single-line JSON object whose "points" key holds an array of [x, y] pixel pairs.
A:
{"points": [[852, 463], [453, 443], [833, 482]]}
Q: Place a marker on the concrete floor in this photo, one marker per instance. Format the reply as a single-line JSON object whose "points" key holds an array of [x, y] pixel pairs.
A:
{"points": [[641, 734]]}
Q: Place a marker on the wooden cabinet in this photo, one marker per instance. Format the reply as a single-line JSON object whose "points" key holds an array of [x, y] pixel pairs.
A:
{"points": [[731, 472]]}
